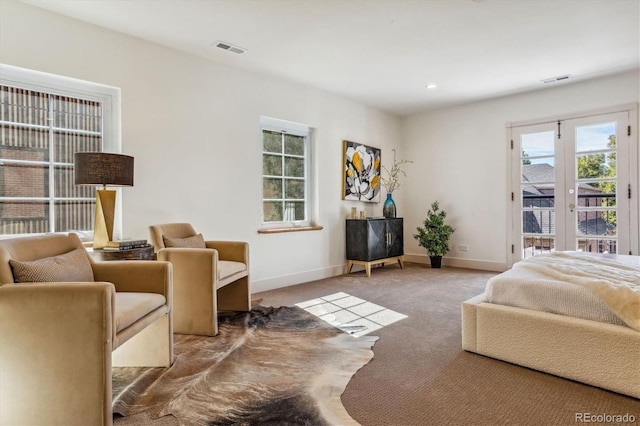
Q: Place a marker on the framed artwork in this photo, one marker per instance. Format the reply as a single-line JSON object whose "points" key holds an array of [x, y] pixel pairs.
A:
{"points": [[361, 172]]}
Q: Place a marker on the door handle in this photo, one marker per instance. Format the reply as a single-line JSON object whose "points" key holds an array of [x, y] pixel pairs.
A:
{"points": [[571, 206]]}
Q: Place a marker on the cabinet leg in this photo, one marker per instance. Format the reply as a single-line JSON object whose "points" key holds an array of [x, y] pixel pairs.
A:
{"points": [[400, 263], [349, 266], [368, 269]]}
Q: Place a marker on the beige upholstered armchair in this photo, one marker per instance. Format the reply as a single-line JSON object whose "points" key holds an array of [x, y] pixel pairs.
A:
{"points": [[65, 320], [208, 276]]}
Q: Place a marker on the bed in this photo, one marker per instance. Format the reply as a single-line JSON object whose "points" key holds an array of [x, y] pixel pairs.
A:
{"points": [[553, 313]]}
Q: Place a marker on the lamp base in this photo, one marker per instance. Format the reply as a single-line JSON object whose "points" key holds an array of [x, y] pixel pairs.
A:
{"points": [[105, 212]]}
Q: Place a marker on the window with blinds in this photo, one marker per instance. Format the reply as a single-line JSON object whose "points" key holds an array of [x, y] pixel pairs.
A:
{"points": [[39, 134]]}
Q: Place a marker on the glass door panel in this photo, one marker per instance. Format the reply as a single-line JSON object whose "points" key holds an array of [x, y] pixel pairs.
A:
{"points": [[537, 191], [595, 179]]}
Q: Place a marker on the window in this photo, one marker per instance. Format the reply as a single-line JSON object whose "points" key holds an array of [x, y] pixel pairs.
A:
{"points": [[44, 120], [285, 174]]}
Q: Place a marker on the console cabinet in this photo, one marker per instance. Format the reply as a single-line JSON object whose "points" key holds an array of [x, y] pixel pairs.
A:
{"points": [[374, 241]]}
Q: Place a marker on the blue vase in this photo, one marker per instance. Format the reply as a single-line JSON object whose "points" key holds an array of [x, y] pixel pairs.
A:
{"points": [[389, 207]]}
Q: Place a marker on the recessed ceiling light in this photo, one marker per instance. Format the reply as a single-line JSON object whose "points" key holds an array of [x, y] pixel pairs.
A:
{"points": [[228, 46], [431, 86]]}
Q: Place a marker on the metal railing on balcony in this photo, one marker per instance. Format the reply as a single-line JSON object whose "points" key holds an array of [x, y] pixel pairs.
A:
{"points": [[596, 223]]}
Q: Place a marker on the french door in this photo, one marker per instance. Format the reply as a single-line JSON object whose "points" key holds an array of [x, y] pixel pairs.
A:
{"points": [[572, 183]]}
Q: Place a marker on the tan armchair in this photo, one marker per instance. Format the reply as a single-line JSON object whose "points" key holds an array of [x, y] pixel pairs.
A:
{"points": [[208, 276], [65, 320]]}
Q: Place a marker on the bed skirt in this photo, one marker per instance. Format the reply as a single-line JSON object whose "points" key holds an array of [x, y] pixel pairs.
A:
{"points": [[598, 354]]}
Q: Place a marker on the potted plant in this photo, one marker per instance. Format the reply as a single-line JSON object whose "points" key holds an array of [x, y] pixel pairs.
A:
{"points": [[435, 234]]}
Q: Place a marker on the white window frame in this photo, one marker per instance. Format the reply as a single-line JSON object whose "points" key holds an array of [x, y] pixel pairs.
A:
{"points": [[108, 96], [289, 127]]}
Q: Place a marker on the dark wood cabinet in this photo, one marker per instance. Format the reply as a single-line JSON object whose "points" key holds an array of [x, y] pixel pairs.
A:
{"points": [[374, 241]]}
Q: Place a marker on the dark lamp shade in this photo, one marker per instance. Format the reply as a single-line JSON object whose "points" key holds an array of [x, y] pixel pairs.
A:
{"points": [[102, 168]]}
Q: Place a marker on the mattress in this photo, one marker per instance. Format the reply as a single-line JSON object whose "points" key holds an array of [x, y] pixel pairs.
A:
{"points": [[531, 290]]}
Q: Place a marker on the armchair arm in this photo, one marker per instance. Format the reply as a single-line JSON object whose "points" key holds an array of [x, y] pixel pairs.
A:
{"points": [[136, 276], [237, 251], [48, 333], [195, 272], [191, 265]]}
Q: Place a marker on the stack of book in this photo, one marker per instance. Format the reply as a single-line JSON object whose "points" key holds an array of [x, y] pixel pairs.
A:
{"points": [[125, 245]]}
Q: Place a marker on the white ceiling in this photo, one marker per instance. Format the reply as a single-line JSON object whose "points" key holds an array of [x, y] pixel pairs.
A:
{"points": [[383, 53]]}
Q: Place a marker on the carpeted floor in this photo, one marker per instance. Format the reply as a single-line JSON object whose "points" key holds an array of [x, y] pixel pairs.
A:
{"points": [[420, 375]]}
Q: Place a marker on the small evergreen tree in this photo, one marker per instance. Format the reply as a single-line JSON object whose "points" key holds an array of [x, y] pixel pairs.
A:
{"points": [[435, 234]]}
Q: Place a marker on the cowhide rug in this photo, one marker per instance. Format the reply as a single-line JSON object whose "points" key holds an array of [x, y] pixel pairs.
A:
{"points": [[279, 366]]}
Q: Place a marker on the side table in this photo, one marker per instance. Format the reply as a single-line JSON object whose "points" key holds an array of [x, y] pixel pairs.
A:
{"points": [[142, 253]]}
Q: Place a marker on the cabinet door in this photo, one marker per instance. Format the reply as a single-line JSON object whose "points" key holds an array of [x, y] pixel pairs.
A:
{"points": [[366, 239], [377, 239], [357, 240], [395, 242]]}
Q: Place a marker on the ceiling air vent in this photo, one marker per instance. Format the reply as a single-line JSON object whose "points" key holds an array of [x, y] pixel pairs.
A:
{"points": [[228, 46], [556, 79]]}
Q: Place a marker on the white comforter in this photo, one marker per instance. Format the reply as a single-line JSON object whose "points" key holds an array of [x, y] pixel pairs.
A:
{"points": [[616, 284]]}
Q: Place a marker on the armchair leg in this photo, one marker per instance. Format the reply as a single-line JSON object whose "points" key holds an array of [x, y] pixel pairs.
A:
{"points": [[235, 296]]}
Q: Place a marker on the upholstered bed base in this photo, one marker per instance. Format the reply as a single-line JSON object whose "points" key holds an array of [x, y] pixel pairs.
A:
{"points": [[598, 354]]}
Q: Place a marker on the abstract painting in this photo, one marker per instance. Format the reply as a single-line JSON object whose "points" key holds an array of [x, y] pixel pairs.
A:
{"points": [[361, 165]]}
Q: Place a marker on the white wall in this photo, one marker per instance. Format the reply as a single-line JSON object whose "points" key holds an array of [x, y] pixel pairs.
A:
{"points": [[463, 154], [193, 128]]}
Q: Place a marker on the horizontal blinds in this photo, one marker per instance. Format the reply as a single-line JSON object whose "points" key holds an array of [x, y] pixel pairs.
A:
{"points": [[39, 134]]}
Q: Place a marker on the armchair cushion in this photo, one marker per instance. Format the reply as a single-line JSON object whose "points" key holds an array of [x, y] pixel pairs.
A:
{"points": [[130, 307], [195, 241], [228, 268], [73, 266]]}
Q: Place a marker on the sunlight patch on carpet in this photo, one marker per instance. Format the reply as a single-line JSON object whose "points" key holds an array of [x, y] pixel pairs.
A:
{"points": [[354, 315]]}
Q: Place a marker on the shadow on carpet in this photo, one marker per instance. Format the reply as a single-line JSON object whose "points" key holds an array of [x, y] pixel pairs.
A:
{"points": [[279, 366]]}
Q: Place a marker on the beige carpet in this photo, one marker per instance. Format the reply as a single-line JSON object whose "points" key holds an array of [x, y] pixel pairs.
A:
{"points": [[420, 375]]}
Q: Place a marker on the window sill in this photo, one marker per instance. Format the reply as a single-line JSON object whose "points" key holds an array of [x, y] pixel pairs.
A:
{"points": [[281, 230]]}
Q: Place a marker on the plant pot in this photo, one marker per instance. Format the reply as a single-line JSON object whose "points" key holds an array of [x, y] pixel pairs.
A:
{"points": [[436, 261]]}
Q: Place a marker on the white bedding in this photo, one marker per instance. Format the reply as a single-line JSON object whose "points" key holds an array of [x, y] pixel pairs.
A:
{"points": [[575, 284]]}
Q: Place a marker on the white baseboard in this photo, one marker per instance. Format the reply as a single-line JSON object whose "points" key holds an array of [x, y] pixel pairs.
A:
{"points": [[482, 265], [298, 278], [333, 271]]}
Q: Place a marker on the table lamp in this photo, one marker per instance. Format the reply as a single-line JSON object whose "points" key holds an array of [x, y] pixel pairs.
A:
{"points": [[102, 168]]}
